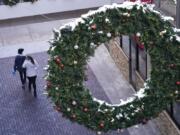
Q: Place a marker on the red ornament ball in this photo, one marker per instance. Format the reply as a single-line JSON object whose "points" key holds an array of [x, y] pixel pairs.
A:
{"points": [[141, 46], [62, 66], [85, 109], [49, 84], [57, 60], [93, 26], [101, 125], [172, 65], [58, 108], [73, 116], [178, 83]]}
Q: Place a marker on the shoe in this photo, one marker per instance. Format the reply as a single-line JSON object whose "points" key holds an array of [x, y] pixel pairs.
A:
{"points": [[35, 94], [23, 87]]}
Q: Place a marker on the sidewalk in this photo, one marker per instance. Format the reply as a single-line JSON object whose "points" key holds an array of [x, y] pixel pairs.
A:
{"points": [[27, 33], [33, 37]]}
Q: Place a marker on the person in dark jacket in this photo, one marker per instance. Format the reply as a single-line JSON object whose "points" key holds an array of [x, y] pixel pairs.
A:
{"points": [[19, 60]]}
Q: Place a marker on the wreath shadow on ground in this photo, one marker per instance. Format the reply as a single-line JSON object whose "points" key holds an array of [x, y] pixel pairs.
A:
{"points": [[74, 43]]}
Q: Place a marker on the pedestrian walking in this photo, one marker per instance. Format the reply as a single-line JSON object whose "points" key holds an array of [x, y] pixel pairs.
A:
{"points": [[19, 60], [31, 70]]}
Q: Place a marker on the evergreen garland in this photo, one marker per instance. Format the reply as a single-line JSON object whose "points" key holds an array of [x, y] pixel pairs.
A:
{"points": [[73, 45]]}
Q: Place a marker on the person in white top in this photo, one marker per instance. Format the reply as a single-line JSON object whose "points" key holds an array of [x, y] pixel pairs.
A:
{"points": [[19, 60], [31, 71]]}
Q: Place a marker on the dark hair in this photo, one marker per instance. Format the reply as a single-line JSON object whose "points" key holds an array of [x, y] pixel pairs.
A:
{"points": [[20, 50], [31, 59]]}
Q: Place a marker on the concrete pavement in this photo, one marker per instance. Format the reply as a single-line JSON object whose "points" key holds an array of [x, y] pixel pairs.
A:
{"points": [[33, 32], [33, 37]]}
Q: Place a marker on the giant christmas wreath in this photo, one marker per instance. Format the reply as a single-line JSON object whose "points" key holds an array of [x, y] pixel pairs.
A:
{"points": [[73, 45]]}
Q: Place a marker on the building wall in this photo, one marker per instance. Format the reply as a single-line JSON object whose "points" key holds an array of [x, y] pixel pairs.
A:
{"points": [[119, 57], [164, 122], [122, 61]]}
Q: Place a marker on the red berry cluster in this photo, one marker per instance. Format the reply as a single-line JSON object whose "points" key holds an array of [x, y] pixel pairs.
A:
{"points": [[58, 61]]}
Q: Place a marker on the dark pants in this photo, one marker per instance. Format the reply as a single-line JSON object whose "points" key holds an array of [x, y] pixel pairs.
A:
{"points": [[22, 74], [32, 81]]}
